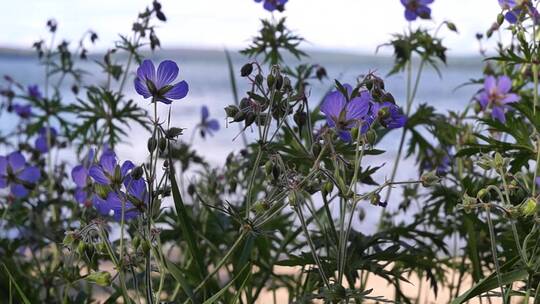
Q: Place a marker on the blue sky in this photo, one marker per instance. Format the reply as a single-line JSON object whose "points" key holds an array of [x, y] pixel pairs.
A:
{"points": [[346, 25]]}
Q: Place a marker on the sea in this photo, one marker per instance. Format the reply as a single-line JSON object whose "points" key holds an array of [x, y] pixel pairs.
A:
{"points": [[207, 73]]}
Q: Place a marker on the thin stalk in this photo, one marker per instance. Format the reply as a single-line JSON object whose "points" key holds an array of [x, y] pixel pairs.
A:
{"points": [[220, 263], [410, 98], [494, 251], [298, 210]]}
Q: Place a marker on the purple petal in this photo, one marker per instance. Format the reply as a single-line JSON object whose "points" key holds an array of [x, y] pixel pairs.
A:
{"points": [[504, 83], [81, 196], [410, 15], [333, 104], [424, 12], [147, 71], [166, 73], [19, 190], [358, 107], [490, 83], [213, 125], [126, 166], [101, 205], [16, 161], [30, 174], [483, 99], [204, 113], [509, 98], [108, 162], [269, 6], [3, 165], [178, 91], [3, 182], [425, 2], [512, 16], [345, 136], [79, 175], [141, 88], [137, 188], [498, 114], [96, 172], [41, 144]]}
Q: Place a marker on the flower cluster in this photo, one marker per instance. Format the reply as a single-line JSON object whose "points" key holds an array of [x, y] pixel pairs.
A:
{"points": [[346, 112], [496, 96], [158, 85], [109, 186], [272, 5], [417, 8], [518, 10], [17, 174]]}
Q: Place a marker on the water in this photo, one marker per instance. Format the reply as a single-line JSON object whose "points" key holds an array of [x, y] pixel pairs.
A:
{"points": [[208, 76]]}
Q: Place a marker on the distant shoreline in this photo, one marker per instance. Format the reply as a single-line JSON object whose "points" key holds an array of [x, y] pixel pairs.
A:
{"points": [[189, 53]]}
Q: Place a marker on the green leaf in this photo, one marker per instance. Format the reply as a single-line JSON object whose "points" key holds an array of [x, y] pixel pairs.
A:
{"points": [[176, 272], [14, 282], [491, 282], [220, 293], [186, 225]]}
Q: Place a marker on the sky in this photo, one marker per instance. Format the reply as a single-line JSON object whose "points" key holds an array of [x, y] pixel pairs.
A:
{"points": [[355, 26]]}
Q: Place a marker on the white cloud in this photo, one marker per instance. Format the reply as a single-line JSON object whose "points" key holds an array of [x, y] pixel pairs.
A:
{"points": [[351, 25]]}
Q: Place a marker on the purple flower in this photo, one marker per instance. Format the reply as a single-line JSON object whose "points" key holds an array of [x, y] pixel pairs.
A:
{"points": [[272, 5], [80, 176], [133, 202], [108, 172], [158, 85], [496, 96], [438, 160], [207, 125], [417, 8], [517, 10], [24, 111], [344, 115], [42, 143], [14, 172], [34, 92], [389, 114]]}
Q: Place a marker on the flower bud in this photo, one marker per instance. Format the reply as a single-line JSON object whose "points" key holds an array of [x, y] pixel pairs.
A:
{"points": [[231, 110], [327, 188], [246, 70], [152, 144], [481, 194], [136, 242], [137, 172], [498, 161], [259, 79], [292, 199], [316, 149], [500, 19], [146, 246], [451, 26], [102, 278], [268, 167], [162, 144], [270, 81], [429, 179], [529, 207], [375, 199], [371, 137]]}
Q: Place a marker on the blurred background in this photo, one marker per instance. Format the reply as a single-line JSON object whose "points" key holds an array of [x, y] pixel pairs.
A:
{"points": [[341, 35]]}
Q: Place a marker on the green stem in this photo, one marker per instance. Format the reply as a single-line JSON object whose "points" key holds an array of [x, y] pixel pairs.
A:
{"points": [[494, 251], [298, 210]]}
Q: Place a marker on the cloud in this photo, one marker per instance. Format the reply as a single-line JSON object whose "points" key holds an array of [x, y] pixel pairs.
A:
{"points": [[351, 25]]}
